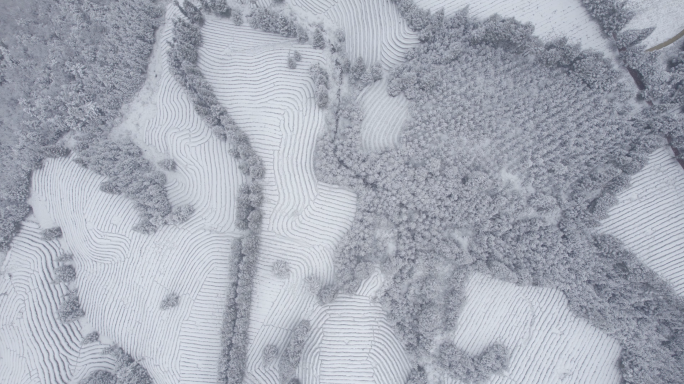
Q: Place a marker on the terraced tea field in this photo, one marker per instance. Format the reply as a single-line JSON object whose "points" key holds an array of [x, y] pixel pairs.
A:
{"points": [[289, 87]]}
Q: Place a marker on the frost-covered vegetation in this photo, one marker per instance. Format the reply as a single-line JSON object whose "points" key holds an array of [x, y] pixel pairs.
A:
{"points": [[171, 300], [127, 370], [70, 307], [67, 68], [182, 58], [289, 361], [660, 86], [468, 369], [515, 150]]}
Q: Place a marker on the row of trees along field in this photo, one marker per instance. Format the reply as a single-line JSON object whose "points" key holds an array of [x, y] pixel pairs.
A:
{"points": [[515, 150], [182, 59], [66, 68]]}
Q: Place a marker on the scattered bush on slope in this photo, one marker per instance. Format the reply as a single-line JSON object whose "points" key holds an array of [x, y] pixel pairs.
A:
{"points": [[182, 57], [136, 178], [65, 273], [52, 233], [320, 78], [167, 164], [269, 354], [91, 338], [127, 370], [468, 369], [289, 361], [99, 377], [66, 66], [489, 97], [217, 7], [272, 21]]}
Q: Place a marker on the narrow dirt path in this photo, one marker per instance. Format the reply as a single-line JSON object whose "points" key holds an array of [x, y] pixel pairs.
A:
{"points": [[668, 42]]}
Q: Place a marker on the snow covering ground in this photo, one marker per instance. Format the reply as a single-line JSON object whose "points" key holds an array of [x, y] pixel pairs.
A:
{"points": [[649, 217], [123, 275], [546, 342], [375, 31], [667, 16]]}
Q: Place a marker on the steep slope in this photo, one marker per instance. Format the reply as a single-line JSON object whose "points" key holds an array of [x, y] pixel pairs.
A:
{"points": [[649, 217]]}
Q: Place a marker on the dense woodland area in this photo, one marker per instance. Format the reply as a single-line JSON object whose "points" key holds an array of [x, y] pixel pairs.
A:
{"points": [[515, 150]]}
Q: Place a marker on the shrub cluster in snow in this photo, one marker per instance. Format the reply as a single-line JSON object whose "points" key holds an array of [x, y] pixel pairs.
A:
{"points": [[281, 269], [273, 21], [70, 307], [133, 176], [99, 377], [52, 233], [167, 164], [491, 100], [320, 77], [289, 361], [90, 338], [126, 369]]}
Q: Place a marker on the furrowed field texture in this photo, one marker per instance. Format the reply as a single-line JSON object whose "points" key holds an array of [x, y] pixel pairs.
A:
{"points": [[342, 192]]}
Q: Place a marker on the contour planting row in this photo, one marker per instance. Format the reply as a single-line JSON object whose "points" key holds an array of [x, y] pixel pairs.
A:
{"points": [[383, 118], [374, 30], [315, 7], [546, 342], [649, 217], [181, 134], [217, 43], [122, 294], [35, 345], [92, 357], [272, 102], [353, 330]]}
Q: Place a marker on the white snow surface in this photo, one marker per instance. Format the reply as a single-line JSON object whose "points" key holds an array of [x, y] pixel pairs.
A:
{"points": [[123, 275], [303, 218], [667, 16], [649, 217]]}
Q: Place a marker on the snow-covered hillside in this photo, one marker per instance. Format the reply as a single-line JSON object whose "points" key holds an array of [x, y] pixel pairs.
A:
{"points": [[649, 217]]}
